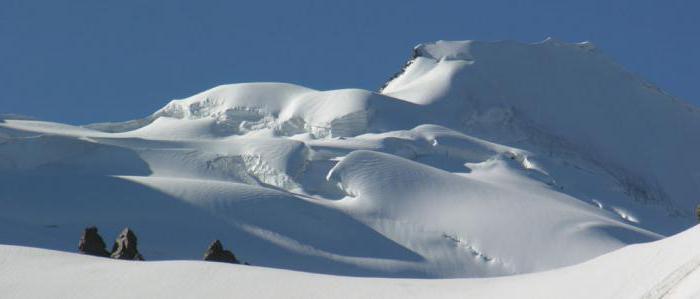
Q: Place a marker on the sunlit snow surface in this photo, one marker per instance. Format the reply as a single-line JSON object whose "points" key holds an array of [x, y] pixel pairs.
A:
{"points": [[477, 160], [662, 269]]}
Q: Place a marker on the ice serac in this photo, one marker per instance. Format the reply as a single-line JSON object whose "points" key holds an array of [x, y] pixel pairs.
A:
{"points": [[563, 98], [281, 109]]}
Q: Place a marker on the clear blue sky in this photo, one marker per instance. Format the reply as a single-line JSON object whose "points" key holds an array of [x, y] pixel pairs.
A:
{"points": [[89, 61]]}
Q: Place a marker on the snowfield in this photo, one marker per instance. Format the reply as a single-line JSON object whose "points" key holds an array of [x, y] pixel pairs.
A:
{"points": [[662, 269], [479, 161]]}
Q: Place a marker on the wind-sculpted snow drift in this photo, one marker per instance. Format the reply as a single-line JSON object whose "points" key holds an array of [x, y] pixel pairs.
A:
{"points": [[477, 159]]}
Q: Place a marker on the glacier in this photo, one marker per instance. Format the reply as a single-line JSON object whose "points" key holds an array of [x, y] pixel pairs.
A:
{"points": [[477, 159]]}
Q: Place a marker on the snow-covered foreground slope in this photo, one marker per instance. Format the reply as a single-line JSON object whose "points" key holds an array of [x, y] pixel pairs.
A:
{"points": [[478, 160], [668, 268]]}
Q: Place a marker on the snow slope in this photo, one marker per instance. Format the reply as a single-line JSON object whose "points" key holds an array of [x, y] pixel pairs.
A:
{"points": [[563, 97], [289, 203], [664, 269], [477, 160]]}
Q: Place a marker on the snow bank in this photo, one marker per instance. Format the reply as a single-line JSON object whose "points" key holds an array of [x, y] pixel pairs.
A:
{"points": [[667, 269]]}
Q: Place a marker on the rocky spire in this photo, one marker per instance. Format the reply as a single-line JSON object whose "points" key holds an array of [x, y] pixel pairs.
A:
{"points": [[125, 246], [217, 253], [91, 243]]}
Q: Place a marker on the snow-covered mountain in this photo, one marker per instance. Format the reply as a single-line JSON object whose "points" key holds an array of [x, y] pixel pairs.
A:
{"points": [[477, 159]]}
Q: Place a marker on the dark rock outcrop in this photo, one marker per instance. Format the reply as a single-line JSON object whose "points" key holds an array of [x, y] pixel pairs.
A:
{"points": [[91, 243], [125, 246], [217, 253]]}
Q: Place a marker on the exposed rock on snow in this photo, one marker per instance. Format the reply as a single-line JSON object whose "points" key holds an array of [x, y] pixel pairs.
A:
{"points": [[91, 243], [217, 253], [126, 246], [668, 268]]}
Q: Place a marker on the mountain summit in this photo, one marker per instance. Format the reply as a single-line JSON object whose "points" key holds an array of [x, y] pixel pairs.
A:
{"points": [[565, 98]]}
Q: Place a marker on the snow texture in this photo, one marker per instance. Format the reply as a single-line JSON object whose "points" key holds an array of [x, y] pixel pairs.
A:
{"points": [[478, 159], [662, 269]]}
